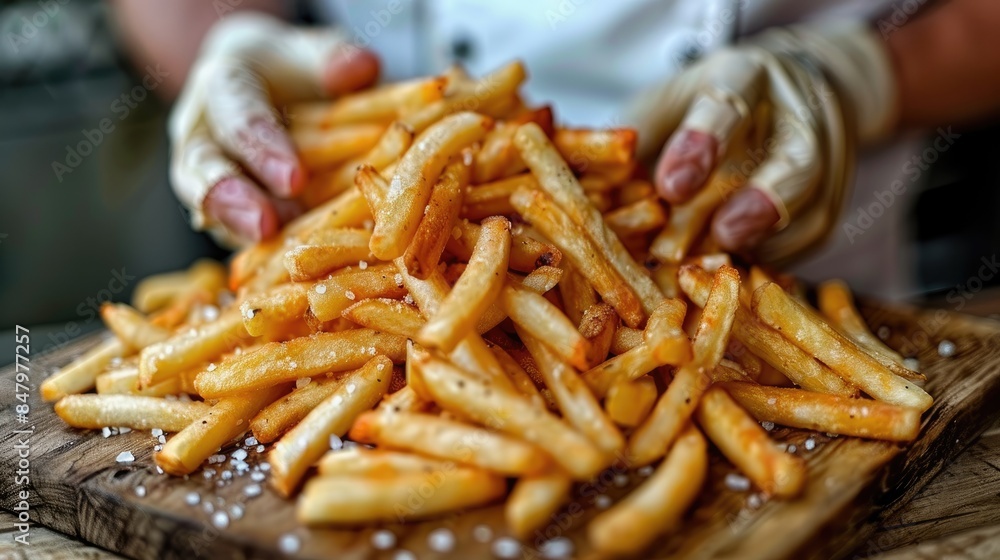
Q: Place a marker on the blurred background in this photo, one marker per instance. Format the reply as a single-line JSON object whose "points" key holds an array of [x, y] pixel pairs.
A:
{"points": [[86, 209]]}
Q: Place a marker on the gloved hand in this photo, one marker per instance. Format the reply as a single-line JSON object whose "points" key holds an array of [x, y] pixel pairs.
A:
{"points": [[816, 92], [233, 164]]}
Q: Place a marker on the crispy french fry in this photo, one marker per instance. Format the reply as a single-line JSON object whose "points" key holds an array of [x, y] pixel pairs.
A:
{"points": [[326, 251], [424, 251], [280, 416], [555, 179], [80, 375], [526, 253], [521, 379], [459, 391], [280, 304], [582, 148], [485, 95], [534, 500], [673, 409], [497, 156], [629, 401], [688, 220], [354, 500], [398, 216], [493, 199], [641, 216], [225, 420], [356, 461], [137, 412], [634, 363], [658, 505], [386, 315], [379, 104], [810, 333], [477, 288], [329, 298], [826, 413], [769, 344], [450, 440], [306, 443], [191, 347], [746, 445], [278, 362], [125, 381], [542, 320], [729, 371], [325, 147], [154, 292], [577, 294], [626, 338], [598, 325]]}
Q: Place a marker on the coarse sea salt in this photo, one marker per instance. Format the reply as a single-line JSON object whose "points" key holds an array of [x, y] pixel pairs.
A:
{"points": [[156, 432], [810, 444], [506, 547], [257, 476], [363, 265], [767, 425], [125, 457], [349, 295], [383, 539], [250, 441], [220, 519], [140, 491], [946, 349], [192, 498], [239, 454], [403, 554], [236, 511], [603, 501], [252, 490], [320, 288], [737, 483], [335, 442], [621, 480], [559, 547], [482, 533], [441, 540]]}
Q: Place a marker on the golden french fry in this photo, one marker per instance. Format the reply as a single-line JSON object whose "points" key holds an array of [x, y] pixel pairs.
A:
{"points": [[542, 320], [386, 315], [641, 216], [424, 251], [376, 105], [280, 304], [598, 325], [810, 333], [189, 348], [522, 381], [131, 411], [321, 148], [534, 500], [354, 500], [326, 251], [477, 288], [582, 252], [741, 439], [280, 416], [837, 304], [729, 371], [626, 338], [629, 401], [497, 157], [493, 199], [486, 95], [526, 254], [688, 220], [583, 148], [154, 292], [404, 400], [634, 363], [555, 178], [398, 216], [577, 404], [125, 381], [306, 443], [329, 298], [827, 413], [512, 413], [633, 191], [450, 440], [356, 461], [658, 505], [278, 362], [224, 421], [80, 375], [768, 343], [674, 407], [577, 294]]}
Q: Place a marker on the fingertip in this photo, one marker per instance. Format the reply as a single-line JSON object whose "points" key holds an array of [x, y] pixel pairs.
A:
{"points": [[744, 220], [349, 69], [242, 208], [685, 165]]}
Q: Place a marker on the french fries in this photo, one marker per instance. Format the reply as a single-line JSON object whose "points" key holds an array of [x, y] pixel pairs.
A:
{"points": [[190, 348], [81, 375], [526, 254], [379, 462], [534, 500], [283, 414], [445, 204], [325, 147], [131, 327], [137, 412]]}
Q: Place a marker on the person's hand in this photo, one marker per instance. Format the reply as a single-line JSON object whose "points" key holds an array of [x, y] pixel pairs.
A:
{"points": [[233, 164], [786, 111]]}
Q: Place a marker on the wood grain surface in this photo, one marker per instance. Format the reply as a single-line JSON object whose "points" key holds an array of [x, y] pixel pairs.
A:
{"points": [[855, 486]]}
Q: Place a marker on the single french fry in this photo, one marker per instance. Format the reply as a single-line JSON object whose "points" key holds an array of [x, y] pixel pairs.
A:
{"points": [[485, 95], [404, 400], [837, 304], [582, 148], [688, 220], [376, 105], [424, 251], [478, 287], [729, 371], [810, 333], [633, 191], [449, 440], [357, 461], [280, 416], [306, 443], [386, 315], [746, 445], [629, 402], [658, 505], [674, 407], [497, 157], [827, 413], [80, 375], [280, 304], [131, 411], [321, 148], [125, 381], [582, 252], [326, 251], [398, 216], [638, 217], [493, 199], [534, 500], [543, 321], [329, 298], [356, 500], [555, 178], [768, 343], [511, 413], [224, 421], [665, 277], [577, 294], [577, 404], [521, 379], [633, 364], [154, 292], [626, 338], [191, 347], [279, 362], [598, 325], [526, 253]]}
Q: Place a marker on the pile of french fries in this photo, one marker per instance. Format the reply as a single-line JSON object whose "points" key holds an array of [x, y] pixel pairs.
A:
{"points": [[481, 295]]}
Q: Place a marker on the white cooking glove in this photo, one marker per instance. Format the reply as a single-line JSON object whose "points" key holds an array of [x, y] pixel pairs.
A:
{"points": [[816, 92], [233, 165]]}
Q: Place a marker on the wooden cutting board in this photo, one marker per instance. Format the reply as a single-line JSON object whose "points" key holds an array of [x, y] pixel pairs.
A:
{"points": [[79, 489]]}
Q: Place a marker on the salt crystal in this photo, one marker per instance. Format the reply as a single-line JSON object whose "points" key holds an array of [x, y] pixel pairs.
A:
{"points": [[351, 387], [220, 519], [124, 430], [292, 364], [771, 401], [646, 471], [912, 364], [363, 265], [737, 483], [210, 312], [260, 449], [408, 299], [208, 473], [160, 470], [402, 554], [383, 539], [883, 332], [236, 511], [349, 295], [441, 540], [209, 507], [248, 313], [398, 278], [257, 476], [506, 547], [265, 467], [211, 367], [156, 432], [106, 431], [559, 547], [250, 441], [603, 501], [810, 444], [192, 498], [767, 425], [125, 457], [754, 501], [621, 480], [289, 544], [239, 454], [140, 491], [482, 533], [253, 490], [337, 399], [946, 349], [792, 448], [213, 459], [335, 442], [320, 288], [158, 447], [162, 439], [227, 474]]}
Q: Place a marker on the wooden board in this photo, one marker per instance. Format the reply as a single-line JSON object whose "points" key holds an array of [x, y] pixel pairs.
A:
{"points": [[80, 490]]}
